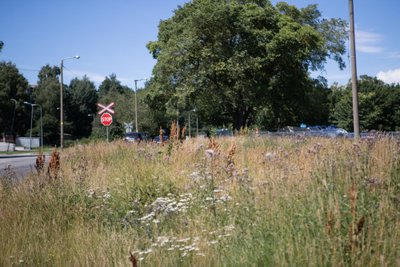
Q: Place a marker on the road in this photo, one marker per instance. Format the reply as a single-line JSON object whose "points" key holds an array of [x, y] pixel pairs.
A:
{"points": [[21, 165]]}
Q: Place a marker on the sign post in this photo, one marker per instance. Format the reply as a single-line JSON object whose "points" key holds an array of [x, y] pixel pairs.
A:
{"points": [[106, 118]]}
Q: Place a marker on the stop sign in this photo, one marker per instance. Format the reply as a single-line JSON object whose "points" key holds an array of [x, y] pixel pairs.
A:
{"points": [[106, 119]]}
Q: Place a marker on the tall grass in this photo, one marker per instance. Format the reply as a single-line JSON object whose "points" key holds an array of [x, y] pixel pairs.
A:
{"points": [[228, 202]]}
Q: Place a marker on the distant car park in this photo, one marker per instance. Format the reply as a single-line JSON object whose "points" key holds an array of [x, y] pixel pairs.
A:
{"points": [[323, 131]]}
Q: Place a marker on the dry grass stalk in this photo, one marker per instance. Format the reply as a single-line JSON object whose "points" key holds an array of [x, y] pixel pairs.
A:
{"points": [[183, 133], [330, 223], [360, 225], [40, 160], [353, 198], [213, 144], [230, 166], [355, 228], [133, 259], [174, 132], [54, 165], [231, 154]]}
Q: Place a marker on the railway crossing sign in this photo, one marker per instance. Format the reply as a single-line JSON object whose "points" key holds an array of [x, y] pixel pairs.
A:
{"points": [[128, 127], [105, 108]]}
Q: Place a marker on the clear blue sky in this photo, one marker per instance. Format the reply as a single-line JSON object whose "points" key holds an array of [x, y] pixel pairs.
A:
{"points": [[110, 36]]}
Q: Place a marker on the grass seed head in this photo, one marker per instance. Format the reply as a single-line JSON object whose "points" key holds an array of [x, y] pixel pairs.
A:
{"points": [[54, 165]]}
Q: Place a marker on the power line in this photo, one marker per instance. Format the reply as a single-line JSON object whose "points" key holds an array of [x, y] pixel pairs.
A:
{"points": [[70, 71], [28, 69]]}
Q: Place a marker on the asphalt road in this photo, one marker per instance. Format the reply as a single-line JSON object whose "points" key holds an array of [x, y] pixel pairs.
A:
{"points": [[21, 165]]}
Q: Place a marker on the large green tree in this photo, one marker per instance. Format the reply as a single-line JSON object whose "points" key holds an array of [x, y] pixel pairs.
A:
{"points": [[231, 59], [13, 93], [111, 85], [47, 94], [81, 99], [379, 105]]}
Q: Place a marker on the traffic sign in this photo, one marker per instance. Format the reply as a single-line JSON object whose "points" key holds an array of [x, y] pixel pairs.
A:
{"points": [[128, 127], [106, 108], [106, 119]]}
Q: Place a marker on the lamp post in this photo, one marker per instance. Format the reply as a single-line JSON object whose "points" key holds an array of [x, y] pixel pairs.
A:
{"points": [[30, 133], [62, 101], [190, 130], [136, 110], [41, 126], [13, 117], [197, 124]]}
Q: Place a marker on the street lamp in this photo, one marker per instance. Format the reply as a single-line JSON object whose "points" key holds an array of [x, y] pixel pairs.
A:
{"points": [[41, 124], [13, 117], [136, 111], [62, 101], [30, 133]]}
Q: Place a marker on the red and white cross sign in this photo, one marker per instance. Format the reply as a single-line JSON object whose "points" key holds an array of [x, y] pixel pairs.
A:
{"points": [[106, 108]]}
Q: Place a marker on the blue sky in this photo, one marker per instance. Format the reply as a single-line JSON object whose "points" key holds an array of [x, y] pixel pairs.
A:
{"points": [[110, 36]]}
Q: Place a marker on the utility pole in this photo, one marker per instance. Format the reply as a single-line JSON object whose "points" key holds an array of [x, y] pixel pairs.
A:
{"points": [[61, 106], [136, 104], [62, 101], [356, 122], [136, 119]]}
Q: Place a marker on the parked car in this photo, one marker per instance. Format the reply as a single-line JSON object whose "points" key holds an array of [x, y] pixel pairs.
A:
{"points": [[157, 139], [133, 137], [332, 131]]}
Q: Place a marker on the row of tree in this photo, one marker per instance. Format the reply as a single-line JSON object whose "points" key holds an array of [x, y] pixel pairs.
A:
{"points": [[80, 105], [241, 63]]}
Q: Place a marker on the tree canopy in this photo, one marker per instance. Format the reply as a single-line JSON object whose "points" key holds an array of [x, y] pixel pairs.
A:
{"points": [[81, 106], [13, 93], [229, 60], [379, 105], [47, 94]]}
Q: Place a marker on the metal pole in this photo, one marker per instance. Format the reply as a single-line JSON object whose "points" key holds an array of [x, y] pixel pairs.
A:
{"points": [[41, 128], [197, 127], [107, 132], [13, 117], [136, 110], [61, 107], [62, 101], [177, 122], [30, 134], [190, 132], [356, 123]]}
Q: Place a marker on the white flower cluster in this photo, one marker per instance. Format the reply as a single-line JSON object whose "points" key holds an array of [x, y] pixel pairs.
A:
{"points": [[167, 206], [184, 246], [91, 193]]}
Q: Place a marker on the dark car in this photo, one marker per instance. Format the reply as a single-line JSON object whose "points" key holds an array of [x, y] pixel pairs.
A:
{"points": [[133, 137], [157, 139]]}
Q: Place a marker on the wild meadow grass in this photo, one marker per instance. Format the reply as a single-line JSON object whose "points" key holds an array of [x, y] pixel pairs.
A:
{"points": [[238, 201]]}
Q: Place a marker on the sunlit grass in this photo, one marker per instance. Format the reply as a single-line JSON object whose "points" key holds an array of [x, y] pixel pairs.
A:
{"points": [[233, 202]]}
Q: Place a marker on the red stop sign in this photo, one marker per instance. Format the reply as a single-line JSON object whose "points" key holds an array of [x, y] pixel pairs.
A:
{"points": [[106, 119]]}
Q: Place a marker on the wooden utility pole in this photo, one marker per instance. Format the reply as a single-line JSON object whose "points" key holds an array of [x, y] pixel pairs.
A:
{"points": [[356, 122]]}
